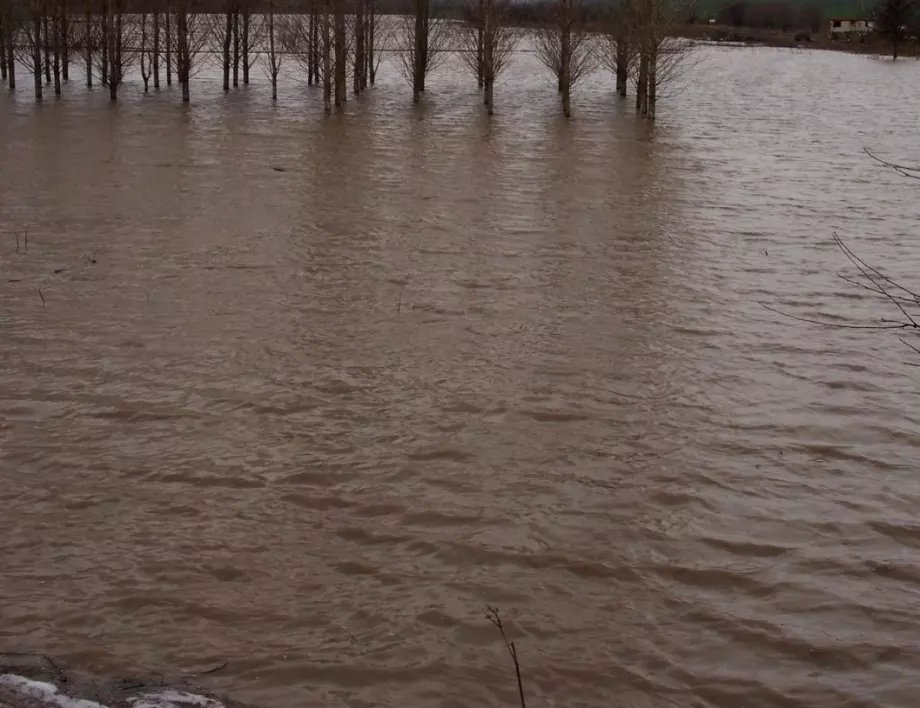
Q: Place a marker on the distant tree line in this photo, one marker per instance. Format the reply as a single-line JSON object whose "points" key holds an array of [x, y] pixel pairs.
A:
{"points": [[783, 16]]}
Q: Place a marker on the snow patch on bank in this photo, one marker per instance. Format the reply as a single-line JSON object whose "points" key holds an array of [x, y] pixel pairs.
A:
{"points": [[17, 691], [44, 694], [173, 699]]}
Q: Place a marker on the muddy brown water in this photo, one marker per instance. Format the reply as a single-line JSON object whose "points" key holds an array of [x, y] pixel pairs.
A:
{"points": [[311, 422]]}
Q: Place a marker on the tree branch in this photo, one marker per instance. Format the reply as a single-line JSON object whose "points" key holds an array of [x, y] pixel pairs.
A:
{"points": [[493, 615]]}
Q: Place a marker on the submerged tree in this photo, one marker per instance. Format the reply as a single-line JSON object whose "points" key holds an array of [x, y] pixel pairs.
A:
{"points": [[487, 42], [32, 31], [121, 45], [660, 57], [274, 56], [618, 53], [421, 43], [145, 49], [186, 45], [9, 18], [306, 39], [893, 20], [566, 48], [341, 53]]}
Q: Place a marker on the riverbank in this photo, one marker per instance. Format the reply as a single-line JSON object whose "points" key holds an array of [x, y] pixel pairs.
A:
{"points": [[37, 681]]}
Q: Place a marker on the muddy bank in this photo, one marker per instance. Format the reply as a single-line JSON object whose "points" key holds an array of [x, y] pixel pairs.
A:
{"points": [[41, 682]]}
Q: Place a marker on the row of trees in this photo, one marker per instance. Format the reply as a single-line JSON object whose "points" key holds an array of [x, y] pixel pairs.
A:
{"points": [[336, 43]]}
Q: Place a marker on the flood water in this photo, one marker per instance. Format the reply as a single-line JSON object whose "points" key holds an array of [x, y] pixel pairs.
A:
{"points": [[311, 422]]}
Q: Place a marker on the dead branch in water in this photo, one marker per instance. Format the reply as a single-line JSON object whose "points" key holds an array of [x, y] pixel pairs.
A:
{"points": [[912, 171], [212, 670], [42, 296], [494, 616]]}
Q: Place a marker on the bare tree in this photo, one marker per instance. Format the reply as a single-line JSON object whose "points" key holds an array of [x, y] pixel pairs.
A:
{"points": [[168, 42], [487, 42], [9, 33], [661, 58], [308, 40], [273, 55], [55, 40], [89, 42], [313, 44], [188, 44], [64, 36], [220, 35], [3, 23], [566, 48], [893, 19], [341, 53], [251, 35], [422, 40], [618, 53], [155, 58], [360, 41], [121, 44], [371, 61], [31, 50], [326, 38], [145, 50]]}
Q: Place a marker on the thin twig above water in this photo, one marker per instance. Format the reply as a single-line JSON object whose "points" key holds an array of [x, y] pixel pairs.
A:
{"points": [[494, 616]]}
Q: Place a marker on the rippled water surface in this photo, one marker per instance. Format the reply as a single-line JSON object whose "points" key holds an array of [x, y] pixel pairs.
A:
{"points": [[311, 422]]}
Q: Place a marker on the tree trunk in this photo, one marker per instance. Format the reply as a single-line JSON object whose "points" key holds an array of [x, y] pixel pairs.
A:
{"points": [[236, 48], [652, 83], [894, 49], [64, 41], [359, 47], [371, 26], [88, 46], [327, 59], [272, 56], [47, 44], [183, 58], [312, 54], [480, 48], [156, 49], [3, 22], [341, 55], [37, 54], [566, 97], [247, 16], [145, 54], [10, 55], [228, 33], [642, 84], [565, 65], [622, 64], [487, 66], [113, 43], [418, 64], [168, 44], [56, 54], [105, 43]]}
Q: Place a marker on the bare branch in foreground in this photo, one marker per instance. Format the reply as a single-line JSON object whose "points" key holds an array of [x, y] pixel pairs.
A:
{"points": [[875, 282], [494, 616], [907, 170]]}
